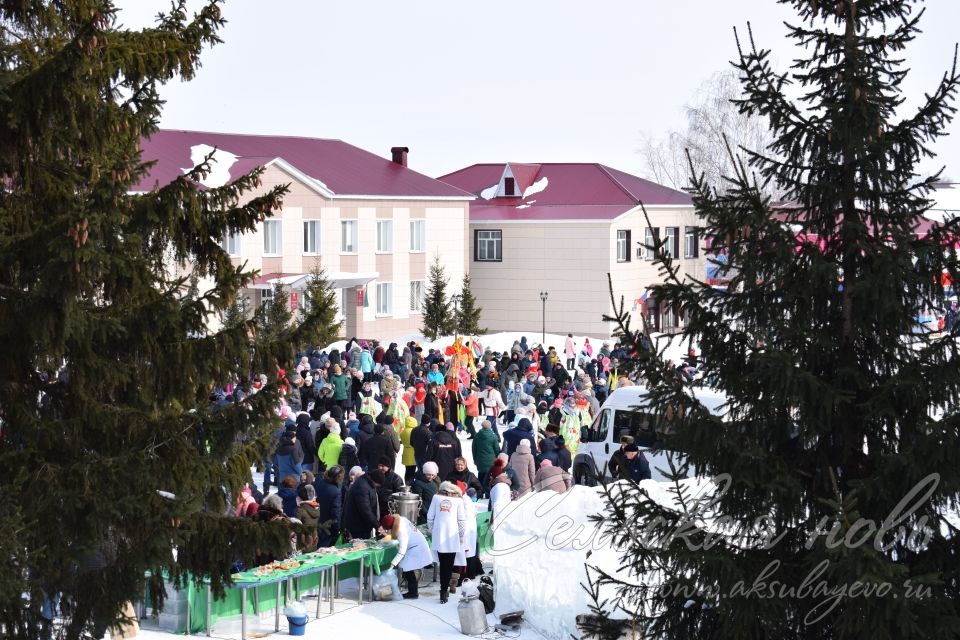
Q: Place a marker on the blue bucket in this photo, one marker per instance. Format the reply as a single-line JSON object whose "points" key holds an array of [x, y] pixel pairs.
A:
{"points": [[298, 626]]}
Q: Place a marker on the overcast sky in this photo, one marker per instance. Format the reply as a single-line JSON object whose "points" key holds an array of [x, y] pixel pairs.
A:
{"points": [[491, 81]]}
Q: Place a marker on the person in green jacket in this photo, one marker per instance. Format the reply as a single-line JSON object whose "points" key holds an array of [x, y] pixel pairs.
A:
{"points": [[409, 461], [329, 451], [486, 446], [341, 388]]}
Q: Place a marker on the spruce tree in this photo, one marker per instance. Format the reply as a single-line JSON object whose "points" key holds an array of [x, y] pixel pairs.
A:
{"points": [[468, 313], [320, 300], [835, 412], [238, 312], [275, 315], [438, 318], [112, 454]]}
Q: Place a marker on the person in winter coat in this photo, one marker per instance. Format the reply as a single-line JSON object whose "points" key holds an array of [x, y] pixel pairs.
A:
{"points": [[500, 497], [356, 357], [630, 464], [444, 449], [524, 466], [492, 404], [564, 459], [502, 465], [548, 445], [551, 478], [425, 485], [431, 405], [460, 473], [513, 437], [361, 512], [471, 409], [413, 552], [368, 402], [570, 351], [485, 450], [366, 365], [348, 455], [420, 440], [408, 457], [391, 484], [308, 513], [289, 456], [329, 505], [305, 437], [419, 398], [341, 388], [288, 494], [365, 432], [447, 521], [379, 446], [331, 446]]}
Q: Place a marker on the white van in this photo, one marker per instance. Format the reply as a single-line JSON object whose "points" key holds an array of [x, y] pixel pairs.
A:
{"points": [[623, 414]]}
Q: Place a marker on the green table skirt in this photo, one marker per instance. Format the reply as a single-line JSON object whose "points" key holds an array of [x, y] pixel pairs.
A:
{"points": [[264, 598]]}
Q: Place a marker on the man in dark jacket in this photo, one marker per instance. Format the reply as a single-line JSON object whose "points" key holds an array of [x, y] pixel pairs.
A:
{"points": [[444, 449], [431, 405], [327, 488], [420, 441], [305, 437], [391, 484], [289, 455], [377, 447], [512, 437], [361, 512], [548, 446], [365, 433], [630, 464]]}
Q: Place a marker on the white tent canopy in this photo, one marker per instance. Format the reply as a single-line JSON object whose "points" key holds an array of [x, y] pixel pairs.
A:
{"points": [[338, 280]]}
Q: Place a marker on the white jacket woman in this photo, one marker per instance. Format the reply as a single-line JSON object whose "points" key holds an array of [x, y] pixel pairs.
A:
{"points": [[470, 535], [447, 521], [413, 551]]}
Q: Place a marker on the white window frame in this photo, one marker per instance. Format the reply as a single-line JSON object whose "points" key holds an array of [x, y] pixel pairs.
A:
{"points": [[485, 238], [231, 243], [416, 301], [418, 235], [277, 236], [311, 231], [672, 236], [385, 236], [623, 248], [266, 296], [649, 242], [690, 242], [352, 225], [384, 302]]}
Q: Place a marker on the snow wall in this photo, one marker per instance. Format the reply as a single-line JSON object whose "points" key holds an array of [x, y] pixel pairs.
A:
{"points": [[541, 547]]}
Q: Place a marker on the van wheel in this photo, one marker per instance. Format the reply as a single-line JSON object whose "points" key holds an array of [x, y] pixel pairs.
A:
{"points": [[582, 476]]}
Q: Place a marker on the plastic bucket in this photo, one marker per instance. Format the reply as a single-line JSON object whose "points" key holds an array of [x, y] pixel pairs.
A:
{"points": [[298, 626]]}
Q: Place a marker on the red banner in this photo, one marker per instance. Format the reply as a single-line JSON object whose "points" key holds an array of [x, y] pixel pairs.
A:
{"points": [[294, 300]]}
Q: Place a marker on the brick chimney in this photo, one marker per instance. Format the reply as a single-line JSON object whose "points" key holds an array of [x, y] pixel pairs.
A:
{"points": [[400, 155]]}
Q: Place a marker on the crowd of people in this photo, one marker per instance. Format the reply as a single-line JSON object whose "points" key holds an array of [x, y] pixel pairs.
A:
{"points": [[349, 416]]}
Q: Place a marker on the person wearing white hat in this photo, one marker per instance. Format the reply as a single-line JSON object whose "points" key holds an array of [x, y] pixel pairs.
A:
{"points": [[447, 521]]}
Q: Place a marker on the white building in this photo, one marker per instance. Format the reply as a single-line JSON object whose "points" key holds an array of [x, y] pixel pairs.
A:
{"points": [[373, 224]]}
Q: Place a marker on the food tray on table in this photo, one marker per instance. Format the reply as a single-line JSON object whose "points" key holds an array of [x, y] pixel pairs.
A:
{"points": [[325, 556]]}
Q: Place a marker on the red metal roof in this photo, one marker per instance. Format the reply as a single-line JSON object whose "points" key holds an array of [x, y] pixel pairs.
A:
{"points": [[524, 174], [341, 167], [574, 191]]}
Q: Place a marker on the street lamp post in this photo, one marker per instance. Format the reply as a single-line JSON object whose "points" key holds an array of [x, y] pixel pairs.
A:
{"points": [[455, 299], [543, 327]]}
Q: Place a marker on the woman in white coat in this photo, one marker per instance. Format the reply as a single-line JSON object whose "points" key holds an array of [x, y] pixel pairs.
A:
{"points": [[447, 520], [473, 567], [413, 552]]}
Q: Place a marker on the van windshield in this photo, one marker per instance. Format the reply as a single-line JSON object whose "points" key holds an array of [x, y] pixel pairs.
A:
{"points": [[640, 426]]}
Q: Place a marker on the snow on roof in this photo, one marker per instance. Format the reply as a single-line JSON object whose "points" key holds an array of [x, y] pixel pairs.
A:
{"points": [[577, 191], [342, 168]]}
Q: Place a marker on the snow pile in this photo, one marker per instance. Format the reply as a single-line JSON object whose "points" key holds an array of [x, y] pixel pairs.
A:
{"points": [[220, 164], [490, 192], [536, 187], [546, 533]]}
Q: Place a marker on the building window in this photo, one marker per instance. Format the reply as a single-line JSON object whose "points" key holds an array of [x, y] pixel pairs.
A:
{"points": [[384, 236], [691, 243], [650, 243], [488, 245], [311, 237], [348, 236], [509, 186], [271, 238], [231, 243], [266, 296], [673, 242], [623, 245], [418, 235], [416, 296], [384, 298]]}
